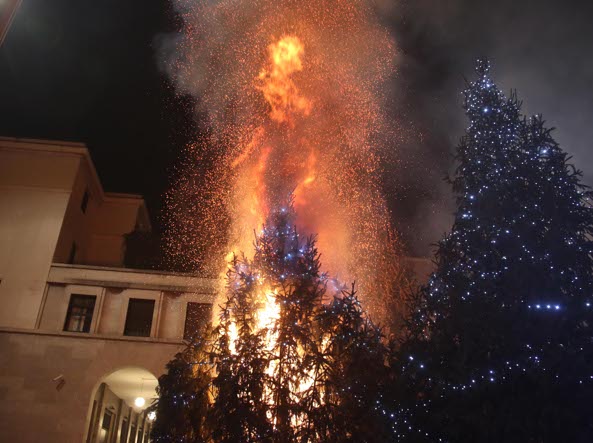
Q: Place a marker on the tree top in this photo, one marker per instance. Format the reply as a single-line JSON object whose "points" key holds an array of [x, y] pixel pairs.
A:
{"points": [[482, 66]]}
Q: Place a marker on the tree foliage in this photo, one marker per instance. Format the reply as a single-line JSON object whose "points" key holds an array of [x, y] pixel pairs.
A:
{"points": [[184, 397], [499, 344], [289, 360], [496, 347]]}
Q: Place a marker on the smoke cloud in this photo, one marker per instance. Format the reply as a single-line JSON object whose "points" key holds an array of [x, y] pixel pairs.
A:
{"points": [[540, 48], [537, 47], [294, 97]]}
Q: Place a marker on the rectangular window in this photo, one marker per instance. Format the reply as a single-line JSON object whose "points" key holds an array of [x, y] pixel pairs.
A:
{"points": [[85, 201], [139, 317], [197, 317], [124, 431], [133, 433], [80, 313], [105, 431]]}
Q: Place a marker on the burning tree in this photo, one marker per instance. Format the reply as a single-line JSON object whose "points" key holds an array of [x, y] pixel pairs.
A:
{"points": [[500, 341], [291, 360], [239, 410], [356, 375], [286, 104]]}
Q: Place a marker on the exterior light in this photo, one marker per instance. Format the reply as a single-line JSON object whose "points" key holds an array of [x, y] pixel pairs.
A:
{"points": [[139, 401], [151, 415]]}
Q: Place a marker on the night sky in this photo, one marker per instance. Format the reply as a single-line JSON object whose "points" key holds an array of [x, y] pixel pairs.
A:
{"points": [[89, 71]]}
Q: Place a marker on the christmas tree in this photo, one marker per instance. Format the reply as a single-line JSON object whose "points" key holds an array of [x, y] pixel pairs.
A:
{"points": [[238, 412], [290, 360], [499, 343], [356, 374], [184, 399]]}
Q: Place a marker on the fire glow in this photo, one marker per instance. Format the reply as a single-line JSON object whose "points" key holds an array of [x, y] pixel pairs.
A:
{"points": [[292, 91], [278, 86]]}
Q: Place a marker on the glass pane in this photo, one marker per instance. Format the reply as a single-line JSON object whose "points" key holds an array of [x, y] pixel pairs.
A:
{"points": [[105, 427], [139, 317], [133, 433], [124, 432], [80, 313]]}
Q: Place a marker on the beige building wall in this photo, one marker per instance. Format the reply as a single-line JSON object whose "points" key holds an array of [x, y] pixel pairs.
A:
{"points": [[34, 193], [113, 289], [99, 230], [75, 225], [170, 293], [42, 186], [50, 379], [35, 406], [118, 215]]}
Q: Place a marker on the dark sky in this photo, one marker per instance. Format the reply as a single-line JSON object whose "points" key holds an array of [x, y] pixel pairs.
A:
{"points": [[87, 71]]}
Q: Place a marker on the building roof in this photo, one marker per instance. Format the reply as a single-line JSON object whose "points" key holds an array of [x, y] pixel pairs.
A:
{"points": [[76, 149]]}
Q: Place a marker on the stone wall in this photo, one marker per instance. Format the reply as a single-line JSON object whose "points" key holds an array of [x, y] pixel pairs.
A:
{"points": [[34, 407]]}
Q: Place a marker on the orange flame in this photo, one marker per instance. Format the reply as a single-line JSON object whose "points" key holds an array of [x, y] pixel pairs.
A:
{"points": [[268, 313], [304, 113], [278, 87]]}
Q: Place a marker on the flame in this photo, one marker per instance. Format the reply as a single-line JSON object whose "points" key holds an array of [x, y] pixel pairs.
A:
{"points": [[267, 315], [293, 93], [278, 86], [302, 113]]}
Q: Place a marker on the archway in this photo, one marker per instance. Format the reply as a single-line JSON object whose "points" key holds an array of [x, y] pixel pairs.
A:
{"points": [[119, 411]]}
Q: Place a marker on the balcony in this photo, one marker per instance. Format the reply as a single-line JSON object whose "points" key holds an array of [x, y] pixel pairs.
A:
{"points": [[122, 304]]}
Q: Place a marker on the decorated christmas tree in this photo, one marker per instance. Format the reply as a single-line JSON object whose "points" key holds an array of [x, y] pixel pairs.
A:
{"points": [[356, 374], [184, 397], [238, 412], [499, 344], [289, 360]]}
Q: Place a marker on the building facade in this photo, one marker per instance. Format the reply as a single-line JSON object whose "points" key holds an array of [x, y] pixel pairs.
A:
{"points": [[82, 338]]}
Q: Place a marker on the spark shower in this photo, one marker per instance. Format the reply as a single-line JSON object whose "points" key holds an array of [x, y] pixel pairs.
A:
{"points": [[290, 95]]}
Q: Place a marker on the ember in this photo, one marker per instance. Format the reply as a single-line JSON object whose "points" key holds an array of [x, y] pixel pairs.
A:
{"points": [[292, 91]]}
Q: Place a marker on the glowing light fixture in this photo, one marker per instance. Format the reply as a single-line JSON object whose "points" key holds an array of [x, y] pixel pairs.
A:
{"points": [[139, 402], [151, 415]]}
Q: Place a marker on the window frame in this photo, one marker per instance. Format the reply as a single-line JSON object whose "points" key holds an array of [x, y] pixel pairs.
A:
{"points": [[131, 302], [88, 326]]}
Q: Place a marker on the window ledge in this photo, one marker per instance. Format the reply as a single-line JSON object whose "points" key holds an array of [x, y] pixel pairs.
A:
{"points": [[89, 336]]}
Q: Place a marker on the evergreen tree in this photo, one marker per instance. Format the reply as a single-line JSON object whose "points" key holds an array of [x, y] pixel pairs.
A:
{"points": [[184, 397], [499, 342], [355, 374], [239, 408], [284, 364], [290, 270]]}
